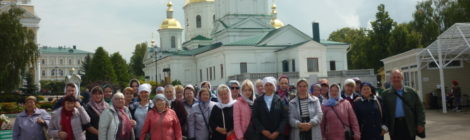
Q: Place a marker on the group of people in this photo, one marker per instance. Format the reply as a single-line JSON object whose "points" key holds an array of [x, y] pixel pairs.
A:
{"points": [[267, 109]]}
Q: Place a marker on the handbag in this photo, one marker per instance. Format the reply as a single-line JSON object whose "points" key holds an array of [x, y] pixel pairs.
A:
{"points": [[205, 122], [348, 134], [421, 135]]}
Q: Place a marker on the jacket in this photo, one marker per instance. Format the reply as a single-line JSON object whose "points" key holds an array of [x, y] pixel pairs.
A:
{"points": [[315, 114], [241, 117], [332, 127], [414, 116], [109, 124], [162, 126], [274, 120], [80, 118], [369, 117], [197, 127]]}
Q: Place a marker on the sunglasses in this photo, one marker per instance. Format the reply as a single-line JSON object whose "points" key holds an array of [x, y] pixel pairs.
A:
{"points": [[233, 88]]}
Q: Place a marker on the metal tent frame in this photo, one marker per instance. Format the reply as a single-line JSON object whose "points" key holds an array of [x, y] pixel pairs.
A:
{"points": [[452, 44]]}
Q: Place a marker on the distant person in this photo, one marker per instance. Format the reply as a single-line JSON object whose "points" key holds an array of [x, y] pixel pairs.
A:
{"points": [[403, 110], [457, 93]]}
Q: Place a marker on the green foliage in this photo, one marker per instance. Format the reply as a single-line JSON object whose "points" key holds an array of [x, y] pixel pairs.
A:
{"points": [[359, 41], [52, 87], [11, 97], [137, 60], [45, 105], [101, 67], [18, 49], [10, 108], [402, 39], [30, 87], [379, 36], [121, 69], [176, 82], [85, 68]]}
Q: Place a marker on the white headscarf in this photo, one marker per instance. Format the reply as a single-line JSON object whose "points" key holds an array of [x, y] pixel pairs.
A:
{"points": [[145, 87], [77, 90], [230, 102], [270, 80]]}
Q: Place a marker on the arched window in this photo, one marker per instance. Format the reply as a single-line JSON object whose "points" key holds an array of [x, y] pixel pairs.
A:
{"points": [[52, 72], [213, 18], [198, 21], [173, 42]]}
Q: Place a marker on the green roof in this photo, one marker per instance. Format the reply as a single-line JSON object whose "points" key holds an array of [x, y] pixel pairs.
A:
{"points": [[251, 41], [61, 50], [200, 37], [328, 42]]}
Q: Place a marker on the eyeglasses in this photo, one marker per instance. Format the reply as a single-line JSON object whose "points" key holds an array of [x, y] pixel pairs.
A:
{"points": [[233, 88]]}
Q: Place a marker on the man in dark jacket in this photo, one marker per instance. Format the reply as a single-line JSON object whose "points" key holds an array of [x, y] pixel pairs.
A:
{"points": [[403, 110]]}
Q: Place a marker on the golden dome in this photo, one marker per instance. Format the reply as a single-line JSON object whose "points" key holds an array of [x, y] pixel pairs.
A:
{"points": [[196, 1], [170, 22], [276, 23]]}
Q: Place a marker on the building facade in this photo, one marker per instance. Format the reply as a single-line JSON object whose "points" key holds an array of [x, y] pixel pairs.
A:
{"points": [[57, 62], [245, 41]]}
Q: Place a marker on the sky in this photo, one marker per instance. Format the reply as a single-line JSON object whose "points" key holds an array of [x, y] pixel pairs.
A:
{"points": [[118, 25]]}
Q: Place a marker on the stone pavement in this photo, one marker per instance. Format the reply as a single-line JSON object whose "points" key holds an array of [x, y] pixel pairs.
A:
{"points": [[450, 126]]}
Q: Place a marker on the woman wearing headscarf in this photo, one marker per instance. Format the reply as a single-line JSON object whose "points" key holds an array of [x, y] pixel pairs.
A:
{"points": [[94, 108], [339, 121], [67, 121], [305, 114], [139, 109], [161, 122], [207, 84], [315, 90], [176, 106], [259, 87], [242, 109], [368, 109], [221, 118], [29, 123], [71, 89], [270, 115], [129, 96], [116, 121], [198, 120]]}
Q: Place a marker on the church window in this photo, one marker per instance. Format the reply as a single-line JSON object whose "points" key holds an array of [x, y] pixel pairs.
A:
{"points": [[312, 64], [173, 42], [198, 21], [243, 67]]}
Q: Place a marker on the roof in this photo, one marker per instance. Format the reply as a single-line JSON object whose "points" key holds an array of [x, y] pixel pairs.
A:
{"points": [[405, 54], [61, 50], [255, 40], [193, 52]]}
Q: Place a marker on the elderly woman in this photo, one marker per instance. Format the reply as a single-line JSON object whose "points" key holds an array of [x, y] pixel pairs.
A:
{"points": [[305, 114], [221, 118], [30, 122], [242, 109], [368, 109], [94, 108], [270, 115], [67, 121], [234, 88], [161, 122], [259, 87], [139, 109], [340, 120], [198, 126], [177, 106], [116, 122], [315, 90]]}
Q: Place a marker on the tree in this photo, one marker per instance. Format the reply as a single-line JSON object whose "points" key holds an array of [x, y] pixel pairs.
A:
{"points": [[19, 49], [403, 38], [359, 44], [85, 68], [30, 88], [101, 68], [426, 22], [379, 35], [137, 60], [121, 69]]}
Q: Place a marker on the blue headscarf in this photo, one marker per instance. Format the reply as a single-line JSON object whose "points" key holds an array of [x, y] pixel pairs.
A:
{"points": [[333, 101], [372, 88]]}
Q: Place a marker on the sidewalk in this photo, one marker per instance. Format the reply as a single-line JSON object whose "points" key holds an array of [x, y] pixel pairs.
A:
{"points": [[450, 126]]}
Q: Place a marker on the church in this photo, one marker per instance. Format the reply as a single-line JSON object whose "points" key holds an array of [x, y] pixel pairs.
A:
{"points": [[237, 40]]}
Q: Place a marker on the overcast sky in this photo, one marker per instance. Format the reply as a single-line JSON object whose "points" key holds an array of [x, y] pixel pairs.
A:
{"points": [[118, 25]]}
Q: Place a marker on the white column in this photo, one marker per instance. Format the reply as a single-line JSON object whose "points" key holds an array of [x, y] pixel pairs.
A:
{"points": [[441, 75]]}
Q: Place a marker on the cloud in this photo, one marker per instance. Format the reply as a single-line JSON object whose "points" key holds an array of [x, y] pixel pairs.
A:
{"points": [[118, 25]]}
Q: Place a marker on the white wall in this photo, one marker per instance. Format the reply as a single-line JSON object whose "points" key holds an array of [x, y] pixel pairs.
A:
{"points": [[339, 55], [206, 11], [165, 39]]}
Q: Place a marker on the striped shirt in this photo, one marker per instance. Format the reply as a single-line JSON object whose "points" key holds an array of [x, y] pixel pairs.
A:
{"points": [[304, 108]]}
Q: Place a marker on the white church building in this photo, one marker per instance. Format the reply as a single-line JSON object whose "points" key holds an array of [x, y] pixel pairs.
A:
{"points": [[236, 40]]}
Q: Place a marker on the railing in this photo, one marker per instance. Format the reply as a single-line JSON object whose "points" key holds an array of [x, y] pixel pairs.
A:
{"points": [[362, 72], [254, 76]]}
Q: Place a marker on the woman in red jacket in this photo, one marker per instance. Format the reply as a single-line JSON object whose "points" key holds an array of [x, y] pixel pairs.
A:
{"points": [[242, 109], [161, 122]]}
